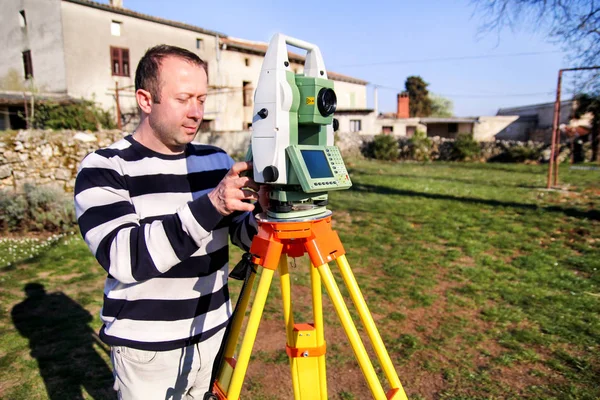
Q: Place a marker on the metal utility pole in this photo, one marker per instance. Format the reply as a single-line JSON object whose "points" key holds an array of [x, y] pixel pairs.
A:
{"points": [[555, 144]]}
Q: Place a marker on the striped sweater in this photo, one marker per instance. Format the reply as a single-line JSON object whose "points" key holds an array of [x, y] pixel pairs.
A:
{"points": [[148, 220]]}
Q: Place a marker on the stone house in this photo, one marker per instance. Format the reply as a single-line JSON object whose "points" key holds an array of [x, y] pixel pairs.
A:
{"points": [[85, 49], [534, 122], [483, 128]]}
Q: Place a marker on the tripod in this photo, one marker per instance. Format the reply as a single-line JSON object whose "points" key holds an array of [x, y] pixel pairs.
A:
{"points": [[305, 345]]}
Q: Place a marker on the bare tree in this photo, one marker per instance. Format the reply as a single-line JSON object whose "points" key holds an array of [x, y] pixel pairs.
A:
{"points": [[573, 23]]}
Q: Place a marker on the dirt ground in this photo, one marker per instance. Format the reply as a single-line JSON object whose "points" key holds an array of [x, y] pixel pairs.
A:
{"points": [[269, 372]]}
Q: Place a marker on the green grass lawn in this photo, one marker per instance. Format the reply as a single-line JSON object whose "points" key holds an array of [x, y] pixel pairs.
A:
{"points": [[483, 284]]}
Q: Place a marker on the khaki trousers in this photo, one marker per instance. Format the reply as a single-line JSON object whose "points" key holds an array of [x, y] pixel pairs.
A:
{"points": [[165, 375]]}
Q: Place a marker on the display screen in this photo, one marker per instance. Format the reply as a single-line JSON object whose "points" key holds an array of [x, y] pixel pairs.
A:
{"points": [[317, 164]]}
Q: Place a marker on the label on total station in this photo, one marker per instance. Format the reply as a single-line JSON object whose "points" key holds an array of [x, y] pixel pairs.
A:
{"points": [[310, 101]]}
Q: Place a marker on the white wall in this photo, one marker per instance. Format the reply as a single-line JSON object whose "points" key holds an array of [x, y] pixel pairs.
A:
{"points": [[350, 95], [230, 74], [368, 126], [87, 38], [399, 125], [544, 112], [499, 127], [42, 36]]}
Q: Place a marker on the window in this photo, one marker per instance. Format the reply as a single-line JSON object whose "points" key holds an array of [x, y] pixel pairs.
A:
{"points": [[452, 128], [199, 44], [22, 19], [115, 28], [355, 125], [247, 62], [247, 89], [27, 64], [386, 130], [119, 61]]}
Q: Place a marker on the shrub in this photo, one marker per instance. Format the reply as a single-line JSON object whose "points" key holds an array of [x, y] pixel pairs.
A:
{"points": [[13, 211], [385, 147], [83, 115], [465, 147], [420, 147], [37, 208], [523, 153], [518, 153]]}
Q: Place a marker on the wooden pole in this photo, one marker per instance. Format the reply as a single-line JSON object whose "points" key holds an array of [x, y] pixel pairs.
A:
{"points": [[27, 119], [553, 157], [555, 133], [119, 123]]}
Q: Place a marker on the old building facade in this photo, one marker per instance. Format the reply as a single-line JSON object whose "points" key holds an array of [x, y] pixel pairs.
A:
{"points": [[86, 49]]}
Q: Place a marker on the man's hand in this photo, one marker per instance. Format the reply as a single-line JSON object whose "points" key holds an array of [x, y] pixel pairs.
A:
{"points": [[229, 194]]}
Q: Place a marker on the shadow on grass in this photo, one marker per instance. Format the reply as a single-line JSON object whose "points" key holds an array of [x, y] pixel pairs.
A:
{"points": [[571, 212], [493, 166], [460, 180], [63, 344]]}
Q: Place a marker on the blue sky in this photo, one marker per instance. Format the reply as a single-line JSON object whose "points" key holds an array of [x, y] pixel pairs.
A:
{"points": [[383, 42]]}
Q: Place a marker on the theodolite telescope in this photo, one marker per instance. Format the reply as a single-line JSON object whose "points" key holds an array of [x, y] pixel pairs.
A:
{"points": [[292, 133]]}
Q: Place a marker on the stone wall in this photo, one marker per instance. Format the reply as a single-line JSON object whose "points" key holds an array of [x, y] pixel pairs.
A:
{"points": [[47, 157], [53, 157], [440, 149]]}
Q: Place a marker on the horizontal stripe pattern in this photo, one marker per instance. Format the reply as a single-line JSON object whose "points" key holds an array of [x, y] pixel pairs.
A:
{"points": [[148, 220], [161, 310], [146, 331], [193, 338], [158, 288]]}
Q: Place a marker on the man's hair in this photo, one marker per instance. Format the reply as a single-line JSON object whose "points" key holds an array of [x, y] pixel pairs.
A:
{"points": [[147, 73]]}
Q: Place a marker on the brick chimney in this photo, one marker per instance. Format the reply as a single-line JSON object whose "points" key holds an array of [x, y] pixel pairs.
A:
{"points": [[403, 109], [116, 3]]}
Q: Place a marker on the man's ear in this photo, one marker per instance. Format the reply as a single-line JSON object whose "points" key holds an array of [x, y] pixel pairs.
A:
{"points": [[144, 100]]}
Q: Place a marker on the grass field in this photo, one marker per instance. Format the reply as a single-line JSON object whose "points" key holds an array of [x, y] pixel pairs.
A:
{"points": [[483, 285]]}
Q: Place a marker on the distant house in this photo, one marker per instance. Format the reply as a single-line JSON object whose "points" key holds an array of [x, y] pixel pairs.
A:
{"points": [[84, 49], [535, 121], [483, 128]]}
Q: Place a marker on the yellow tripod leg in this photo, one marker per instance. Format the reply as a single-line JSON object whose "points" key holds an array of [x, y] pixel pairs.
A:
{"points": [[286, 296], [306, 350], [227, 367], [238, 319], [357, 345], [318, 318], [305, 342], [369, 324], [239, 372]]}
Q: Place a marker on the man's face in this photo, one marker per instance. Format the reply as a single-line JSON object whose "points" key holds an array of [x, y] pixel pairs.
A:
{"points": [[175, 120]]}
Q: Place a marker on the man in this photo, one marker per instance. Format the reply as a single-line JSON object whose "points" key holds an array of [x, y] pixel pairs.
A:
{"points": [[156, 211]]}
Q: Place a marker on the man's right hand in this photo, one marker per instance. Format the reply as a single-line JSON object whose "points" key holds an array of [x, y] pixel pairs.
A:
{"points": [[229, 194]]}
